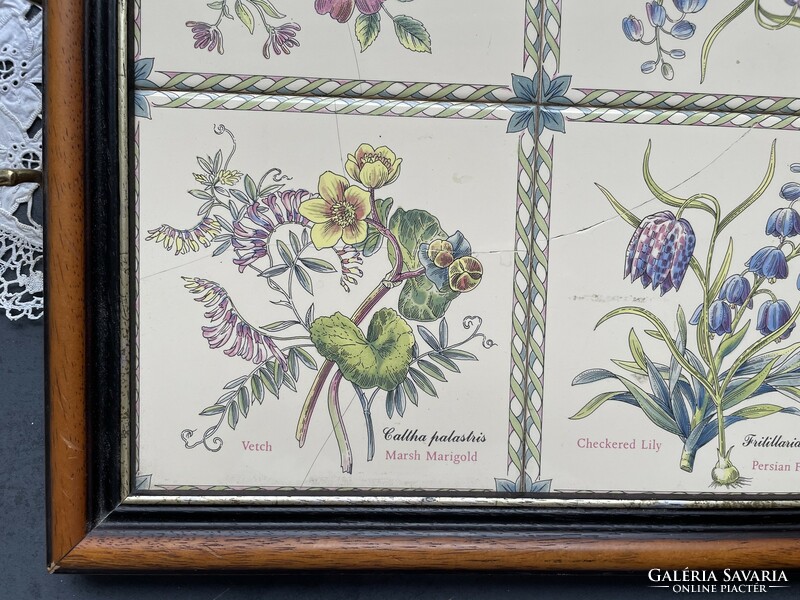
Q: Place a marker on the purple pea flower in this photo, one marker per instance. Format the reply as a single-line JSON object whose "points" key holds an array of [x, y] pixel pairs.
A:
{"points": [[791, 191], [682, 30], [736, 290], [633, 28], [769, 262], [773, 315], [784, 222], [719, 317], [693, 6], [659, 251], [206, 36], [282, 39], [656, 14]]}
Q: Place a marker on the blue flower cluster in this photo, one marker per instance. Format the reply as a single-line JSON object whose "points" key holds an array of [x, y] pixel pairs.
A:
{"points": [[679, 28], [769, 263]]}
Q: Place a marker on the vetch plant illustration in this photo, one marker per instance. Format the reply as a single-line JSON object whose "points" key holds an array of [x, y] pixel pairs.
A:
{"points": [[281, 37], [289, 239], [697, 394], [668, 23]]}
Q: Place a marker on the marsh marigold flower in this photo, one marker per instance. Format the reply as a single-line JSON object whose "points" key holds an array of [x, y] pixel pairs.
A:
{"points": [[659, 251], [373, 167], [338, 213]]}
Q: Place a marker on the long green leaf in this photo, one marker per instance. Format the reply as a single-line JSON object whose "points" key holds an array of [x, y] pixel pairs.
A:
{"points": [[650, 408], [741, 393], [723, 273], [630, 218], [662, 194], [758, 411], [716, 31], [762, 187], [667, 338], [596, 403], [637, 352], [730, 343]]}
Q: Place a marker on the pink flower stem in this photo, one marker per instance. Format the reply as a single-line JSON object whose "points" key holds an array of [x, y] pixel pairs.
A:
{"points": [[361, 313]]}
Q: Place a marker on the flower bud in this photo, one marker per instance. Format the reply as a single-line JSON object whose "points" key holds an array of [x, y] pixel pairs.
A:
{"points": [[440, 252], [690, 6], [465, 274], [656, 14], [633, 28]]}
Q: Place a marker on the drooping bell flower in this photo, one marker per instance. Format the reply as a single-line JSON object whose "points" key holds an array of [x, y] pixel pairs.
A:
{"points": [[659, 251], [784, 222], [719, 317], [773, 315], [690, 6], [633, 28], [769, 262], [736, 290]]}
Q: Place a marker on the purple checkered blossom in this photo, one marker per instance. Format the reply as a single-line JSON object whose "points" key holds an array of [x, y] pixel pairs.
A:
{"points": [[659, 251], [228, 328]]}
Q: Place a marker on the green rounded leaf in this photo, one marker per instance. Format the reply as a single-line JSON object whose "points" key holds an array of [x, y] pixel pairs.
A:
{"points": [[367, 29], [379, 359], [412, 34]]}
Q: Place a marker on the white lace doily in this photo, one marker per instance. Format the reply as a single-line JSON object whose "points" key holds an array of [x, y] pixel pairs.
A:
{"points": [[20, 147]]}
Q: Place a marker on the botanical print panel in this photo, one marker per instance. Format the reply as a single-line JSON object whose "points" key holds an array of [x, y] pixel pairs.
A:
{"points": [[736, 55], [447, 49], [672, 361], [331, 294]]}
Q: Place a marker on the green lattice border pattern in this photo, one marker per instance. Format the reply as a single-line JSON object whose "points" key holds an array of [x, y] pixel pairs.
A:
{"points": [[680, 117], [519, 441]]}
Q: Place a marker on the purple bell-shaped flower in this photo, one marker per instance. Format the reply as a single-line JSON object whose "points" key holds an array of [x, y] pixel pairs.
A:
{"points": [[769, 262], [656, 14], [659, 251], [719, 317], [633, 28], [690, 6], [784, 222], [736, 290], [773, 315]]}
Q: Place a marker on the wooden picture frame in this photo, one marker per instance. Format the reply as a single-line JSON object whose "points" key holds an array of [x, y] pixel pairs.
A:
{"points": [[93, 525]]}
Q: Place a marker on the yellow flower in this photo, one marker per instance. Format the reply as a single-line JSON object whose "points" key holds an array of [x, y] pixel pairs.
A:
{"points": [[338, 213], [374, 168], [229, 177]]}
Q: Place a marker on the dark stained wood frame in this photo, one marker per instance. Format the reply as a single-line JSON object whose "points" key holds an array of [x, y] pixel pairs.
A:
{"points": [[91, 529]]}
